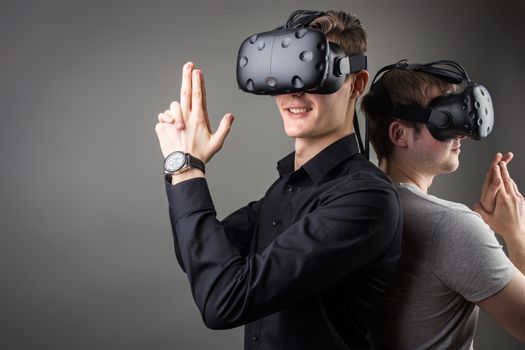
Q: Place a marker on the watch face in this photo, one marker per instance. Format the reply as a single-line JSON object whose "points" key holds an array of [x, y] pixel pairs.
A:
{"points": [[174, 161]]}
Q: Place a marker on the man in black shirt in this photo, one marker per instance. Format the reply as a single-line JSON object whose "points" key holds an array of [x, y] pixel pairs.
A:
{"points": [[306, 266]]}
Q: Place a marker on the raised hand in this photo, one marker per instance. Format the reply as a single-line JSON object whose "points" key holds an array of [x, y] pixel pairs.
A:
{"points": [[508, 215], [185, 126], [492, 182]]}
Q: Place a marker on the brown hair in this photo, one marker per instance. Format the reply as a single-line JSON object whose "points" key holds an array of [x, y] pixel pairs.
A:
{"points": [[344, 29], [405, 88]]}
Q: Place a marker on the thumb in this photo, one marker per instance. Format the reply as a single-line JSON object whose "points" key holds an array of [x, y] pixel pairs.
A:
{"points": [[217, 139], [478, 208]]}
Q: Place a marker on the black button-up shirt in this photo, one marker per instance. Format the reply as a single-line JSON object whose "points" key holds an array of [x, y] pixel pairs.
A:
{"points": [[306, 266]]}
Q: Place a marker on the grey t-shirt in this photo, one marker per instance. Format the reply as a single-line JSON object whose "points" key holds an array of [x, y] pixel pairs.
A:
{"points": [[451, 259]]}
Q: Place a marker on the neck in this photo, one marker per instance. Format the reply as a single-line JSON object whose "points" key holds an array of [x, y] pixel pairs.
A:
{"points": [[307, 148], [403, 171]]}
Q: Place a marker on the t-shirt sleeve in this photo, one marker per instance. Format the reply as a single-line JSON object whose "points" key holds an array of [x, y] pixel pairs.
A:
{"points": [[467, 257]]}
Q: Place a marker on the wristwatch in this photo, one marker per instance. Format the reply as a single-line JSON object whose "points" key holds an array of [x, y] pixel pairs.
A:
{"points": [[178, 162]]}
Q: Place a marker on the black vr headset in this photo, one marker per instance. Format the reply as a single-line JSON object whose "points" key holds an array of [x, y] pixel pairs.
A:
{"points": [[294, 58], [467, 113]]}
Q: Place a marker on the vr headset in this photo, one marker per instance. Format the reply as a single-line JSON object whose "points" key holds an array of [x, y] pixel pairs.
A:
{"points": [[467, 113], [294, 58]]}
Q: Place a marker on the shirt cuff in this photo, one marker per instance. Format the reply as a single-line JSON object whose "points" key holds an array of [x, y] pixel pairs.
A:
{"points": [[188, 197]]}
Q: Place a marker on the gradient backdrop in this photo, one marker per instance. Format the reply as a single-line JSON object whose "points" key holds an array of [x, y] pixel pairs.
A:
{"points": [[86, 255]]}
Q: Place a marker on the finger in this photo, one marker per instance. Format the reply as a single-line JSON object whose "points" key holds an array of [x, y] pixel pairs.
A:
{"points": [[490, 172], [505, 176], [176, 112], [185, 89], [478, 208], [217, 139], [517, 192], [199, 105], [165, 117], [497, 158], [507, 157], [204, 100], [488, 199]]}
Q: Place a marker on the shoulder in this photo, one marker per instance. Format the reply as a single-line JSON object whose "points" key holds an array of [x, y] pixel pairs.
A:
{"points": [[445, 227], [437, 212], [414, 199], [359, 173], [460, 249], [364, 188]]}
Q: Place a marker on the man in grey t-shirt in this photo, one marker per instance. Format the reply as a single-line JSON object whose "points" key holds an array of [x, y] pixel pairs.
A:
{"points": [[452, 263]]}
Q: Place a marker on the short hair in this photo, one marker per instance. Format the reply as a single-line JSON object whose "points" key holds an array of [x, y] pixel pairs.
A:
{"points": [[405, 87], [344, 29]]}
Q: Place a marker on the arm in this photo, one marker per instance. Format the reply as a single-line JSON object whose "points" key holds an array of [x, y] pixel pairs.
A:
{"points": [[238, 227], [508, 216], [197, 139], [507, 306], [341, 239]]}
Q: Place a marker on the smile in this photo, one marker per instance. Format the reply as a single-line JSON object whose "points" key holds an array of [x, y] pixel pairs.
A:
{"points": [[298, 110]]}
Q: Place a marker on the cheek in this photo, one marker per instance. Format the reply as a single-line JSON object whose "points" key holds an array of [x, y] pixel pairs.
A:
{"points": [[278, 102]]}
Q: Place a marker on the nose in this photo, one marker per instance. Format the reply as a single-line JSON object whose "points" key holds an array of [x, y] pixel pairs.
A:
{"points": [[297, 94]]}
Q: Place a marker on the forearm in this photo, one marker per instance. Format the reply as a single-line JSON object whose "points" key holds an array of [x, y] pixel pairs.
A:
{"points": [[215, 265], [231, 289], [516, 250]]}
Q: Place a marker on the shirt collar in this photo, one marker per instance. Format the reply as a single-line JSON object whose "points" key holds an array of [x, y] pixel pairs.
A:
{"points": [[322, 163]]}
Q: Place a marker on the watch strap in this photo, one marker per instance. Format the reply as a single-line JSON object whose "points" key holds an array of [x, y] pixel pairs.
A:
{"points": [[196, 163]]}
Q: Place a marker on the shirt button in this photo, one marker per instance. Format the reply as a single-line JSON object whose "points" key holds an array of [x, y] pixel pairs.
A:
{"points": [[275, 222], [289, 188], [255, 338]]}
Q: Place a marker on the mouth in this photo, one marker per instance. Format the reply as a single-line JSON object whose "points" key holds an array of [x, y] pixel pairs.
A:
{"points": [[298, 111]]}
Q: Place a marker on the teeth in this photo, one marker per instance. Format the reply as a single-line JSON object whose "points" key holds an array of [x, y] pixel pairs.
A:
{"points": [[298, 110]]}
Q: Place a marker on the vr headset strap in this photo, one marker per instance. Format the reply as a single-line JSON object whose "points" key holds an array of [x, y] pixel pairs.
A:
{"points": [[301, 18], [412, 113], [352, 64], [363, 148]]}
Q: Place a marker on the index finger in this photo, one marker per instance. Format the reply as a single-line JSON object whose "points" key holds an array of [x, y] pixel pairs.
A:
{"points": [[490, 172], [488, 196], [507, 157], [185, 89], [507, 181], [199, 97], [203, 94]]}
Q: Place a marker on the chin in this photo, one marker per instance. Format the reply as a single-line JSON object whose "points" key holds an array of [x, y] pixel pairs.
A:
{"points": [[451, 167], [294, 132]]}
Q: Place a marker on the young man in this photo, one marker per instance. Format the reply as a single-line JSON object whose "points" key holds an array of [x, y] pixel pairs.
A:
{"points": [[306, 266], [451, 261]]}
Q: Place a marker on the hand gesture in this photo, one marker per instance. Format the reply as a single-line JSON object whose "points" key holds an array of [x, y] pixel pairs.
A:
{"points": [[493, 182], [508, 215], [185, 126]]}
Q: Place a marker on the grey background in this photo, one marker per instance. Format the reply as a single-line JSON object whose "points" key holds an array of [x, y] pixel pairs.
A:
{"points": [[86, 257]]}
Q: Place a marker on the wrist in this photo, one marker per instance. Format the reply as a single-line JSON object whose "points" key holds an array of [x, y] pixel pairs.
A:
{"points": [[514, 237], [179, 162], [189, 174]]}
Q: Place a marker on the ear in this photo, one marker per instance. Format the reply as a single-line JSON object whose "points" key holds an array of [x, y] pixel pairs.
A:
{"points": [[398, 134], [360, 81]]}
